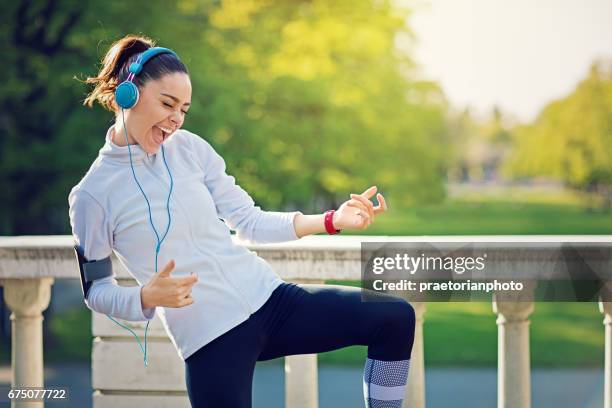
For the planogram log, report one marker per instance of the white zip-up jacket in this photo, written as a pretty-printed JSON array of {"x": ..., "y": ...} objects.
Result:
[{"x": 109, "y": 214}]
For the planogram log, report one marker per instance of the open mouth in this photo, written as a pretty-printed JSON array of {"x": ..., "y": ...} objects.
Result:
[{"x": 161, "y": 134}]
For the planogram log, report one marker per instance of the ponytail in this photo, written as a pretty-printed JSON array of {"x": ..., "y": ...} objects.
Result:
[{"x": 113, "y": 70}]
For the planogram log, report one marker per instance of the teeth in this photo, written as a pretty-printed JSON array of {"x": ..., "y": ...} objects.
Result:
[{"x": 165, "y": 130}]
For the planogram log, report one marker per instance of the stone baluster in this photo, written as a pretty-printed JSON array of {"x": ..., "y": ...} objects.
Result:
[
  {"x": 513, "y": 359},
  {"x": 27, "y": 298},
  {"x": 606, "y": 309}
]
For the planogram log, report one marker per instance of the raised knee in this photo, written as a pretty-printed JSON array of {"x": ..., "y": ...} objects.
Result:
[{"x": 402, "y": 316}]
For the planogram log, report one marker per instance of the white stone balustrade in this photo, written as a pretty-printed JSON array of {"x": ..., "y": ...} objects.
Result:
[{"x": 30, "y": 264}]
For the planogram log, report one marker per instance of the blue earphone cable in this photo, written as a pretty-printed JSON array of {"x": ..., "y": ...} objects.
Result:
[{"x": 159, "y": 241}]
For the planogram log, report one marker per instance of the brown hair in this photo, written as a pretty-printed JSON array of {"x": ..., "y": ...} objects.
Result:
[{"x": 115, "y": 65}]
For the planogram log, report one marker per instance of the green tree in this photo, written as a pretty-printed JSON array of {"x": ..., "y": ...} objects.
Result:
[
  {"x": 331, "y": 105},
  {"x": 572, "y": 138},
  {"x": 48, "y": 139},
  {"x": 307, "y": 101}
]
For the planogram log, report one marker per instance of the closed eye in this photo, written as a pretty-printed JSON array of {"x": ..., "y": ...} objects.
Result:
[{"x": 170, "y": 106}]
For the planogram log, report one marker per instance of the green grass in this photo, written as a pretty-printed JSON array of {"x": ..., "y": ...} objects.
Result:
[
  {"x": 467, "y": 215},
  {"x": 70, "y": 338},
  {"x": 562, "y": 334}
]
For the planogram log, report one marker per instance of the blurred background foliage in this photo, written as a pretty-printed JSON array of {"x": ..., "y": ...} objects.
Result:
[
  {"x": 307, "y": 101},
  {"x": 572, "y": 138}
]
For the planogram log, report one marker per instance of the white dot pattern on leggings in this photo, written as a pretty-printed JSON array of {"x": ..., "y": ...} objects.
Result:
[
  {"x": 386, "y": 373},
  {"x": 376, "y": 403}
]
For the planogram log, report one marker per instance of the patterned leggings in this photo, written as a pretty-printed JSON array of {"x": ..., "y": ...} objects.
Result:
[{"x": 303, "y": 319}]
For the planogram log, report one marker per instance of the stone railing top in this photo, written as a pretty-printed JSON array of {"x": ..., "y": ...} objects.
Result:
[{"x": 312, "y": 257}]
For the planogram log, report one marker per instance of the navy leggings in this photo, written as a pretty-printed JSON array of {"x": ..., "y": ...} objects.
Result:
[{"x": 296, "y": 319}]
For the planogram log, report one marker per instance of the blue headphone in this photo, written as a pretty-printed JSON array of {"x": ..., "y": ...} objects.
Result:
[
  {"x": 126, "y": 94},
  {"x": 126, "y": 97}
]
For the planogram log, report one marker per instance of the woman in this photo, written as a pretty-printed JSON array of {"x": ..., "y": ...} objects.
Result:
[{"x": 223, "y": 307}]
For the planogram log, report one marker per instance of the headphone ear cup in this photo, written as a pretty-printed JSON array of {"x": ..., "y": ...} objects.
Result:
[{"x": 126, "y": 95}]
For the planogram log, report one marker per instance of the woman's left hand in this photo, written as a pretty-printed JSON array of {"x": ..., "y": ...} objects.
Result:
[{"x": 358, "y": 212}]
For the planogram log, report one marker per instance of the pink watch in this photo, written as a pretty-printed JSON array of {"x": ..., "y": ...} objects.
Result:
[{"x": 329, "y": 225}]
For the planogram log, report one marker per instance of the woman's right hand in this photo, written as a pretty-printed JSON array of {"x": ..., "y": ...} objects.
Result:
[{"x": 164, "y": 290}]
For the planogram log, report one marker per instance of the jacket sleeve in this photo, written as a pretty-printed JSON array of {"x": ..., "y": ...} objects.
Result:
[
  {"x": 236, "y": 207},
  {"x": 93, "y": 234}
]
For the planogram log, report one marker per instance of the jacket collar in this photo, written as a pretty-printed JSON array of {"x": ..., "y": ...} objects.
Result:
[{"x": 120, "y": 154}]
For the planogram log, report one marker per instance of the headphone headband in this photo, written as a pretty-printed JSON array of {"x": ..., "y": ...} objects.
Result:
[{"x": 136, "y": 67}]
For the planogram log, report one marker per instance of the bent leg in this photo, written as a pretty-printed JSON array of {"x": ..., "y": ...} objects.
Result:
[
  {"x": 319, "y": 318},
  {"x": 322, "y": 318}
]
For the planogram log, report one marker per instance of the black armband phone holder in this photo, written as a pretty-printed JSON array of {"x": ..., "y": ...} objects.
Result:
[{"x": 92, "y": 270}]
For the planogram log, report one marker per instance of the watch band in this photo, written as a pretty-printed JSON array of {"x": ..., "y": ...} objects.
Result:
[{"x": 329, "y": 225}]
